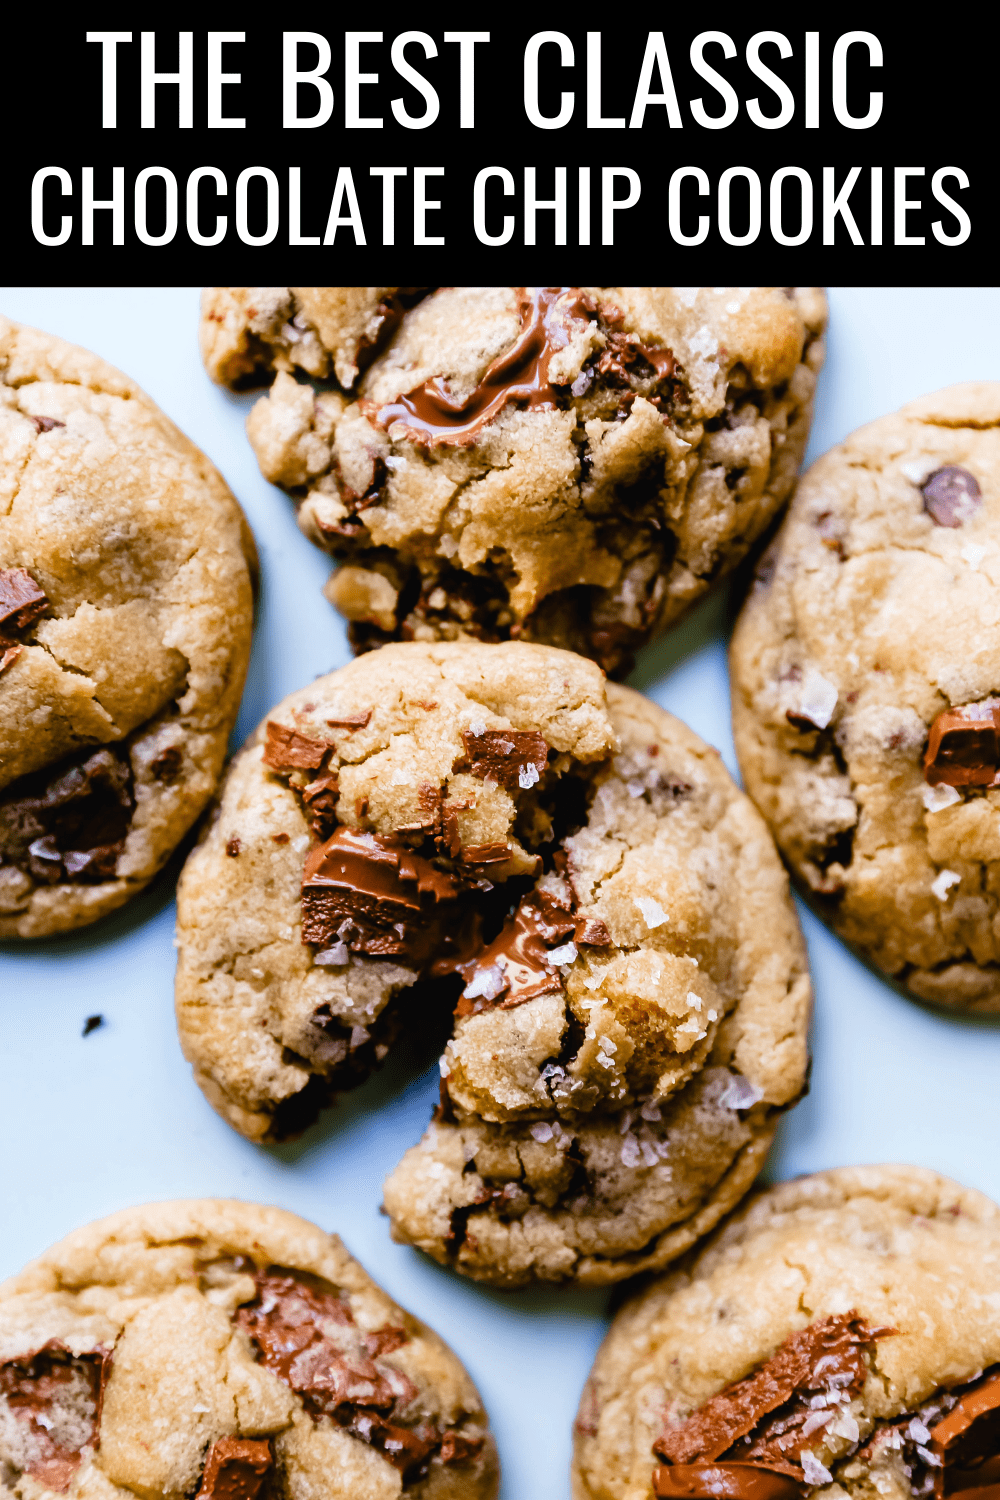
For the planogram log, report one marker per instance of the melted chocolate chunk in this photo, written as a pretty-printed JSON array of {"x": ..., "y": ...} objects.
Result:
[
  {"x": 335, "y": 1376},
  {"x": 22, "y": 602},
  {"x": 432, "y": 416},
  {"x": 287, "y": 750},
  {"x": 378, "y": 897},
  {"x": 236, "y": 1469},
  {"x": 963, "y": 748},
  {"x": 951, "y": 496},
  {"x": 516, "y": 966},
  {"x": 627, "y": 358},
  {"x": 34, "y": 1387},
  {"x": 759, "y": 1420},
  {"x": 69, "y": 822},
  {"x": 722, "y": 1482},
  {"x": 511, "y": 757}
]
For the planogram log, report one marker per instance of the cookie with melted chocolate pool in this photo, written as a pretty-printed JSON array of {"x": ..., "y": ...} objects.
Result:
[
  {"x": 492, "y": 832},
  {"x": 866, "y": 692},
  {"x": 571, "y": 465},
  {"x": 125, "y": 617},
  {"x": 839, "y": 1335},
  {"x": 231, "y": 1352}
]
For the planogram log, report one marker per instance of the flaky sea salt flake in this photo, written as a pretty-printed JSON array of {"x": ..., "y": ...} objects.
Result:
[
  {"x": 813, "y": 1471},
  {"x": 944, "y": 882},
  {"x": 937, "y": 798},
  {"x": 652, "y": 912}
]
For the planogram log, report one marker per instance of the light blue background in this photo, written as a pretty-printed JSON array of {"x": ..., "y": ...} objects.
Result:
[{"x": 91, "y": 1125}]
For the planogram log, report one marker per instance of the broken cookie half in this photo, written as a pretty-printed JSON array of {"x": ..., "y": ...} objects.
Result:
[
  {"x": 570, "y": 465},
  {"x": 492, "y": 832},
  {"x": 230, "y": 1352}
]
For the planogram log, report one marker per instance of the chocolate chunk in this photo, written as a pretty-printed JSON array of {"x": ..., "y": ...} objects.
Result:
[
  {"x": 320, "y": 799},
  {"x": 69, "y": 821},
  {"x": 385, "y": 320},
  {"x": 167, "y": 765},
  {"x": 287, "y": 750},
  {"x": 279, "y": 838},
  {"x": 35, "y": 1387},
  {"x": 385, "y": 1340},
  {"x": 485, "y": 854},
  {"x": 951, "y": 496},
  {"x": 963, "y": 748},
  {"x": 236, "y": 1469},
  {"x": 969, "y": 1433},
  {"x": 962, "y": 1455},
  {"x": 456, "y": 1449},
  {"x": 9, "y": 656},
  {"x": 760, "y": 1419},
  {"x": 521, "y": 375},
  {"x": 375, "y": 895},
  {"x": 46, "y": 424},
  {"x": 590, "y": 932},
  {"x": 288, "y": 1322},
  {"x": 515, "y": 967},
  {"x": 91, "y": 1024},
  {"x": 233, "y": 848},
  {"x": 352, "y": 721},
  {"x": 405, "y": 1449},
  {"x": 511, "y": 757},
  {"x": 627, "y": 358},
  {"x": 722, "y": 1482},
  {"x": 22, "y": 602}
]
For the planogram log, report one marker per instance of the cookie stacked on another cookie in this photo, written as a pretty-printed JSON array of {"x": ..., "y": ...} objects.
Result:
[
  {"x": 561, "y": 464},
  {"x": 229, "y": 1351},
  {"x": 574, "y": 872},
  {"x": 125, "y": 618},
  {"x": 839, "y": 1335},
  {"x": 866, "y": 692}
]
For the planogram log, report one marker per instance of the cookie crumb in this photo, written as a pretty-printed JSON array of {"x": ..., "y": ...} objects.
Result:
[
  {"x": 91, "y": 1024},
  {"x": 233, "y": 848}
]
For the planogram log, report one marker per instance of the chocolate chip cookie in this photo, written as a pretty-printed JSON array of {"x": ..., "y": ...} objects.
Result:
[
  {"x": 232, "y": 1352},
  {"x": 839, "y": 1335},
  {"x": 559, "y": 464},
  {"x": 125, "y": 616},
  {"x": 489, "y": 830},
  {"x": 866, "y": 692}
]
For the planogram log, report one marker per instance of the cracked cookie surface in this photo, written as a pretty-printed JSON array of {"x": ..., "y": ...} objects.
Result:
[
  {"x": 865, "y": 670},
  {"x": 491, "y": 830},
  {"x": 125, "y": 616},
  {"x": 568, "y": 465},
  {"x": 232, "y": 1351},
  {"x": 839, "y": 1336}
]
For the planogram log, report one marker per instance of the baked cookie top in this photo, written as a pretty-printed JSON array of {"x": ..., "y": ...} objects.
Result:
[
  {"x": 125, "y": 615},
  {"x": 564, "y": 464},
  {"x": 840, "y": 1334},
  {"x": 232, "y": 1351},
  {"x": 491, "y": 831},
  {"x": 865, "y": 683}
]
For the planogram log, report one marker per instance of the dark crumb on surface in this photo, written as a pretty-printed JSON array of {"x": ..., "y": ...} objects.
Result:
[
  {"x": 233, "y": 848},
  {"x": 91, "y": 1024}
]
